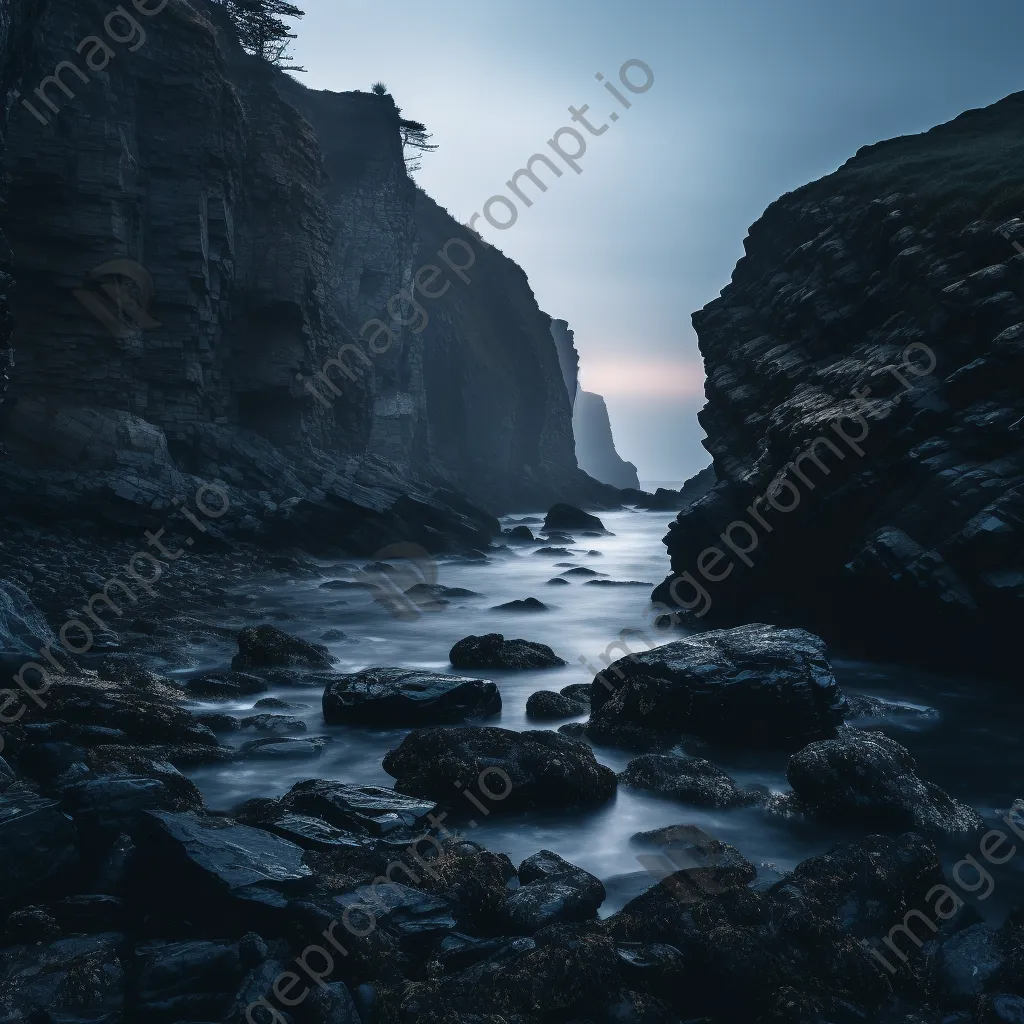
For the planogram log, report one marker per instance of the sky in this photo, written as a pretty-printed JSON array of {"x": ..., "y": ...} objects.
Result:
[{"x": 750, "y": 99}]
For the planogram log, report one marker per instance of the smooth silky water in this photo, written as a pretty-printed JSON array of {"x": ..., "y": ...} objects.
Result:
[{"x": 963, "y": 731}]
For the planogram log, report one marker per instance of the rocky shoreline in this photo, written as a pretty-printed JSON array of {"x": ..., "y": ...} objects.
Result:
[{"x": 127, "y": 899}]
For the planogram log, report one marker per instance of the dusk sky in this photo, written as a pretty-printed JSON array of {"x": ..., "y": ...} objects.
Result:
[{"x": 750, "y": 100}]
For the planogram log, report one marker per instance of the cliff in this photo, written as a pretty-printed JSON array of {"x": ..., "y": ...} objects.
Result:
[
  {"x": 595, "y": 445},
  {"x": 864, "y": 405},
  {"x": 210, "y": 263}
]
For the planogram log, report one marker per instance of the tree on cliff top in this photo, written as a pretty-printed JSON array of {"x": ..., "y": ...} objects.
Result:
[
  {"x": 262, "y": 29},
  {"x": 415, "y": 137}
]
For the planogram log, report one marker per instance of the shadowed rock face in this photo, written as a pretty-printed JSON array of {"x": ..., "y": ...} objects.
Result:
[
  {"x": 595, "y": 445},
  {"x": 247, "y": 228},
  {"x": 903, "y": 246}
]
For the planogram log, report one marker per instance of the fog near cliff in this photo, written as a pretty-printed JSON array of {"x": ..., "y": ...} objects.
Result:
[{"x": 750, "y": 101}]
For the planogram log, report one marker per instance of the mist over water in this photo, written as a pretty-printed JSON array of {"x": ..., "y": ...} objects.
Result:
[{"x": 939, "y": 714}]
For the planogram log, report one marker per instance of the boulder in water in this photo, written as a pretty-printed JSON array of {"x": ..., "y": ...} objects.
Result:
[
  {"x": 545, "y": 705},
  {"x": 494, "y": 651},
  {"x": 268, "y": 647},
  {"x": 692, "y": 779},
  {"x": 568, "y": 517}
]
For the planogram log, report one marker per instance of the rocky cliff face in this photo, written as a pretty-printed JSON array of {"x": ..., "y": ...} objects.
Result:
[
  {"x": 864, "y": 404},
  {"x": 210, "y": 260},
  {"x": 595, "y": 445}
]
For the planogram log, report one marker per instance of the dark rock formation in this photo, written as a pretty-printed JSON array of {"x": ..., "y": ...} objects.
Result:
[
  {"x": 494, "y": 651},
  {"x": 371, "y": 810},
  {"x": 526, "y": 604},
  {"x": 867, "y": 775},
  {"x": 188, "y": 287},
  {"x": 692, "y": 779},
  {"x": 664, "y": 500},
  {"x": 523, "y": 769},
  {"x": 552, "y": 891},
  {"x": 547, "y": 706},
  {"x": 595, "y": 445},
  {"x": 753, "y": 684},
  {"x": 397, "y": 696},
  {"x": 898, "y": 513},
  {"x": 269, "y": 647},
  {"x": 568, "y": 517}
]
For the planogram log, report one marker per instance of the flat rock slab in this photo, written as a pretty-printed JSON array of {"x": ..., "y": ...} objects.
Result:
[
  {"x": 396, "y": 696},
  {"x": 370, "y": 810},
  {"x": 753, "y": 684},
  {"x": 493, "y": 651},
  {"x": 542, "y": 769}
]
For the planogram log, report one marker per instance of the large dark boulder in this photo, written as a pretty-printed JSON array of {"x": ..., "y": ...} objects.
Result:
[
  {"x": 691, "y": 779},
  {"x": 108, "y": 806},
  {"x": 269, "y": 647},
  {"x": 522, "y": 769},
  {"x": 397, "y": 696},
  {"x": 866, "y": 886},
  {"x": 195, "y": 865},
  {"x": 37, "y": 848},
  {"x": 867, "y": 776},
  {"x": 553, "y": 891},
  {"x": 569, "y": 518},
  {"x": 494, "y": 651},
  {"x": 754, "y": 685}
]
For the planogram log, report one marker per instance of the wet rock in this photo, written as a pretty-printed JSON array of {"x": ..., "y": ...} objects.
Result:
[
  {"x": 547, "y": 706},
  {"x": 313, "y": 833},
  {"x": 220, "y": 723},
  {"x": 175, "y": 981},
  {"x": 866, "y": 886},
  {"x": 752, "y": 684},
  {"x": 268, "y": 647},
  {"x": 371, "y": 810},
  {"x": 332, "y": 1004},
  {"x": 210, "y": 866},
  {"x": 967, "y": 961},
  {"x": 279, "y": 724},
  {"x": 138, "y": 762},
  {"x": 868, "y": 776},
  {"x": 996, "y": 1009},
  {"x": 529, "y": 604},
  {"x": 568, "y": 517},
  {"x": 276, "y": 704},
  {"x": 553, "y": 891},
  {"x": 37, "y": 848},
  {"x": 521, "y": 769},
  {"x": 420, "y": 920},
  {"x": 106, "y": 807},
  {"x": 273, "y": 748},
  {"x": 225, "y": 684},
  {"x": 494, "y": 651},
  {"x": 691, "y": 779},
  {"x": 553, "y": 552},
  {"x": 395, "y": 696},
  {"x": 141, "y": 716},
  {"x": 578, "y": 692},
  {"x": 73, "y": 979},
  {"x": 422, "y": 591},
  {"x": 473, "y": 879},
  {"x": 23, "y": 629},
  {"x": 688, "y": 865},
  {"x": 558, "y": 538}
]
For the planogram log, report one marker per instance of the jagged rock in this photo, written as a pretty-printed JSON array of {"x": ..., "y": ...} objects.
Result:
[
  {"x": 371, "y": 810},
  {"x": 867, "y": 775},
  {"x": 494, "y": 651},
  {"x": 417, "y": 918},
  {"x": 23, "y": 630},
  {"x": 545, "y": 705},
  {"x": 313, "y": 833},
  {"x": 396, "y": 696},
  {"x": 553, "y": 891},
  {"x": 528, "y": 604},
  {"x": 595, "y": 446},
  {"x": 915, "y": 528},
  {"x": 753, "y": 684},
  {"x": 37, "y": 848},
  {"x": 106, "y": 807},
  {"x": 545, "y": 769},
  {"x": 569, "y": 518},
  {"x": 692, "y": 779},
  {"x": 268, "y": 647}
]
